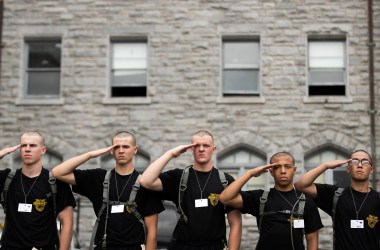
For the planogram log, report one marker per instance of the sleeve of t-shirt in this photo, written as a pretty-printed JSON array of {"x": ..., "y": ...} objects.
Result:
[
  {"x": 64, "y": 197},
  {"x": 251, "y": 202},
  {"x": 325, "y": 196},
  {"x": 170, "y": 184},
  {"x": 3, "y": 175},
  {"x": 89, "y": 183},
  {"x": 312, "y": 218},
  {"x": 152, "y": 203}
]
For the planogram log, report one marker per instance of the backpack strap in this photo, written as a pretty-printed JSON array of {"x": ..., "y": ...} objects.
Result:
[
  {"x": 301, "y": 205},
  {"x": 263, "y": 200},
  {"x": 131, "y": 204},
  {"x": 182, "y": 188},
  {"x": 337, "y": 194},
  {"x": 101, "y": 210},
  {"x": 223, "y": 179},
  {"x": 53, "y": 186},
  {"x": 4, "y": 194}
]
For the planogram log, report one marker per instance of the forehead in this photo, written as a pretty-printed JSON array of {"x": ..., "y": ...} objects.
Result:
[
  {"x": 360, "y": 155},
  {"x": 123, "y": 140},
  {"x": 283, "y": 159},
  {"x": 205, "y": 139},
  {"x": 31, "y": 139}
]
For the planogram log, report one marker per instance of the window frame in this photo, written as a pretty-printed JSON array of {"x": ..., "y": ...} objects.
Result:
[
  {"x": 111, "y": 85},
  {"x": 26, "y": 69},
  {"x": 255, "y": 68},
  {"x": 336, "y": 89}
]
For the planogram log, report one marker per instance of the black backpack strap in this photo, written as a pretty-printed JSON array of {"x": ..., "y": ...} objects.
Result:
[
  {"x": 337, "y": 194},
  {"x": 182, "y": 188},
  {"x": 53, "y": 186},
  {"x": 101, "y": 210},
  {"x": 263, "y": 200},
  {"x": 4, "y": 196},
  {"x": 131, "y": 204}
]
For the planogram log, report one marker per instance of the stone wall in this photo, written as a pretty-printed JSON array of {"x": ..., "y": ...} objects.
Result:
[{"x": 184, "y": 84}]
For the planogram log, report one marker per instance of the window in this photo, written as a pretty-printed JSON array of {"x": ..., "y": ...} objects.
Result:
[
  {"x": 337, "y": 176},
  {"x": 49, "y": 160},
  {"x": 237, "y": 161},
  {"x": 327, "y": 68},
  {"x": 241, "y": 67},
  {"x": 43, "y": 69},
  {"x": 141, "y": 161},
  {"x": 129, "y": 69}
]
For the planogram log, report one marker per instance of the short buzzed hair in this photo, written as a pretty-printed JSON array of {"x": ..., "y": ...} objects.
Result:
[
  {"x": 124, "y": 133},
  {"x": 363, "y": 151},
  {"x": 33, "y": 133},
  {"x": 281, "y": 154},
  {"x": 203, "y": 132}
]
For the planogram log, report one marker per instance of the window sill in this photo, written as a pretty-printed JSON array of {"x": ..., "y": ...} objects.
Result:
[
  {"x": 127, "y": 100},
  {"x": 327, "y": 99},
  {"x": 41, "y": 101},
  {"x": 240, "y": 99}
]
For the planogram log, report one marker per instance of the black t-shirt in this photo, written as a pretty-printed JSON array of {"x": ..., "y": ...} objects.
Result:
[
  {"x": 206, "y": 224},
  {"x": 368, "y": 208},
  {"x": 275, "y": 230},
  {"x": 124, "y": 228},
  {"x": 38, "y": 227}
]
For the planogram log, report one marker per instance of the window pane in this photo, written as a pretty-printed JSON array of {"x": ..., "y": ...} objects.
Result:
[
  {"x": 129, "y": 78},
  {"x": 43, "y": 83},
  {"x": 320, "y": 77},
  {"x": 44, "y": 55},
  {"x": 129, "y": 55},
  {"x": 240, "y": 82},
  {"x": 241, "y": 55},
  {"x": 326, "y": 54}
]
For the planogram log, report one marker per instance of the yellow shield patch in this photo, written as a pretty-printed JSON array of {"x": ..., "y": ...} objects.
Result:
[
  {"x": 372, "y": 220},
  {"x": 40, "y": 204},
  {"x": 130, "y": 207},
  {"x": 214, "y": 199}
]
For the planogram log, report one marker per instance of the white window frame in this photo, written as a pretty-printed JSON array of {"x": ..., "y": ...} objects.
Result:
[
  {"x": 124, "y": 64},
  {"x": 328, "y": 56},
  {"x": 27, "y": 70},
  {"x": 244, "y": 66}
]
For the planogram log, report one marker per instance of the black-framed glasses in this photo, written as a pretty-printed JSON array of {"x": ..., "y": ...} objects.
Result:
[{"x": 364, "y": 162}]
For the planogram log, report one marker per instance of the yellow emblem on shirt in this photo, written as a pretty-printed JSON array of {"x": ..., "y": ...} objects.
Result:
[
  {"x": 372, "y": 220},
  {"x": 130, "y": 207},
  {"x": 40, "y": 204},
  {"x": 214, "y": 199}
]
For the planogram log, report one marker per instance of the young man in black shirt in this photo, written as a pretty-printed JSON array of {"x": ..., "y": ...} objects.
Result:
[
  {"x": 119, "y": 229},
  {"x": 31, "y": 208},
  {"x": 281, "y": 225},
  {"x": 205, "y": 228},
  {"x": 357, "y": 209}
]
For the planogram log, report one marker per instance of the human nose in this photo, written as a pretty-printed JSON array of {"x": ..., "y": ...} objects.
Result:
[{"x": 283, "y": 169}]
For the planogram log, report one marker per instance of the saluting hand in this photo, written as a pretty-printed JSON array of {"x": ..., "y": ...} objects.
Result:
[{"x": 9, "y": 150}]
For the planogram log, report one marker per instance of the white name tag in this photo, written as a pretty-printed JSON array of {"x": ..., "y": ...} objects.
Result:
[
  {"x": 201, "y": 203},
  {"x": 357, "y": 224},
  {"x": 24, "y": 208},
  {"x": 117, "y": 209},
  {"x": 298, "y": 223}
]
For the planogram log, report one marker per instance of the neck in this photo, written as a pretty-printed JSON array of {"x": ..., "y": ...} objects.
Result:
[
  {"x": 124, "y": 170},
  {"x": 360, "y": 186},
  {"x": 284, "y": 188},
  {"x": 31, "y": 171},
  {"x": 203, "y": 168}
]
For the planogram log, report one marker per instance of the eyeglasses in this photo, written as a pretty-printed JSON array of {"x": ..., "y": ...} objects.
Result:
[{"x": 364, "y": 162}]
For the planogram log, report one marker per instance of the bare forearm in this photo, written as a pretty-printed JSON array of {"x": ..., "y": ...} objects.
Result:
[
  {"x": 235, "y": 222},
  {"x": 234, "y": 188},
  {"x": 70, "y": 165},
  {"x": 151, "y": 174},
  {"x": 307, "y": 179}
]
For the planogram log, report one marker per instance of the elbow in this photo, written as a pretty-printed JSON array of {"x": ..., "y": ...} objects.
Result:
[
  {"x": 143, "y": 182},
  {"x": 223, "y": 198}
]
